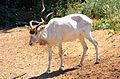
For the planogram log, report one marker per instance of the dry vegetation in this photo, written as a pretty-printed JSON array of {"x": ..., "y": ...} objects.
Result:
[{"x": 18, "y": 60}]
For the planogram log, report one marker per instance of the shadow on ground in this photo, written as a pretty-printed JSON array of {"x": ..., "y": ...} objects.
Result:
[{"x": 52, "y": 74}]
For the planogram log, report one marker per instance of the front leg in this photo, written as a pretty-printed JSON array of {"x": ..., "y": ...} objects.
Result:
[
  {"x": 60, "y": 54},
  {"x": 50, "y": 58},
  {"x": 60, "y": 48}
]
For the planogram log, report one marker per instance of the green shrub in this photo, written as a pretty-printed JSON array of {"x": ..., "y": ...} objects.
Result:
[
  {"x": 101, "y": 8},
  {"x": 115, "y": 25},
  {"x": 92, "y": 8},
  {"x": 59, "y": 10},
  {"x": 108, "y": 11},
  {"x": 103, "y": 24},
  {"x": 74, "y": 8}
]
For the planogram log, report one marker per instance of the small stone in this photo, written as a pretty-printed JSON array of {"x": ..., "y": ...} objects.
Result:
[
  {"x": 77, "y": 73},
  {"x": 117, "y": 76}
]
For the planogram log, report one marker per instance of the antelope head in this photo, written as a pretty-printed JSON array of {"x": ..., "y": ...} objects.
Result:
[{"x": 35, "y": 30}]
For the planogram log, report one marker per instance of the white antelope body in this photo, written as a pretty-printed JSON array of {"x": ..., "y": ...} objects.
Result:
[{"x": 68, "y": 28}]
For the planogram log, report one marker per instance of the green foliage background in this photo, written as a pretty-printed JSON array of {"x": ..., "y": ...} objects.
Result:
[{"x": 107, "y": 11}]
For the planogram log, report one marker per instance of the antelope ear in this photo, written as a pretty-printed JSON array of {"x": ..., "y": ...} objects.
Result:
[{"x": 28, "y": 27}]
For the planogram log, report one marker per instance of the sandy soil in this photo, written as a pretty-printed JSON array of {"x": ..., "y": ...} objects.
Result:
[{"x": 18, "y": 60}]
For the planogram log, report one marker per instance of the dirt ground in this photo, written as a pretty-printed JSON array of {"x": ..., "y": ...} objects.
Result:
[{"x": 18, "y": 60}]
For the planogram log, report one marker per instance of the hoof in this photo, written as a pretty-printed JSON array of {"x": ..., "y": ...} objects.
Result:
[
  {"x": 61, "y": 71},
  {"x": 79, "y": 65},
  {"x": 61, "y": 68},
  {"x": 48, "y": 71},
  {"x": 96, "y": 62}
]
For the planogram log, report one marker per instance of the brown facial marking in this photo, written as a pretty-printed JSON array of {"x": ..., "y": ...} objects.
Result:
[{"x": 32, "y": 31}]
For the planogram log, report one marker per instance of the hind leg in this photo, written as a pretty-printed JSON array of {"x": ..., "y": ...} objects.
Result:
[
  {"x": 85, "y": 48},
  {"x": 94, "y": 42}
]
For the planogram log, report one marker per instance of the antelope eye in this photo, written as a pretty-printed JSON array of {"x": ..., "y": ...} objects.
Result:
[{"x": 32, "y": 32}]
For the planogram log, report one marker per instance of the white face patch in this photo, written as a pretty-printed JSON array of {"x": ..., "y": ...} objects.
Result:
[{"x": 44, "y": 35}]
